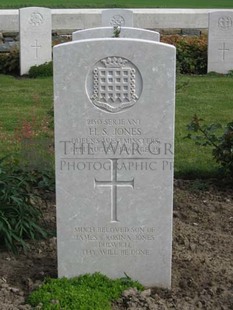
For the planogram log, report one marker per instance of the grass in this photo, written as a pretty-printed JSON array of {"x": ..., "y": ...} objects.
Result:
[
  {"x": 210, "y": 97},
  {"x": 118, "y": 3},
  {"x": 24, "y": 107},
  {"x": 22, "y": 99},
  {"x": 94, "y": 291}
]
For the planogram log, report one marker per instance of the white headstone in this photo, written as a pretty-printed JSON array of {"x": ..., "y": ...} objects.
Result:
[
  {"x": 35, "y": 37},
  {"x": 220, "y": 42},
  {"x": 117, "y": 17},
  {"x": 107, "y": 32},
  {"x": 114, "y": 129}
]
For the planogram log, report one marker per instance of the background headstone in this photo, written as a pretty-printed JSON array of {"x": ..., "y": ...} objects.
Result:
[
  {"x": 220, "y": 42},
  {"x": 35, "y": 37},
  {"x": 114, "y": 132},
  {"x": 107, "y": 32},
  {"x": 117, "y": 17}
]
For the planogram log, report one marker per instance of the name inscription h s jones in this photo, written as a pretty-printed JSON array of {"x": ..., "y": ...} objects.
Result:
[
  {"x": 122, "y": 139},
  {"x": 113, "y": 138}
]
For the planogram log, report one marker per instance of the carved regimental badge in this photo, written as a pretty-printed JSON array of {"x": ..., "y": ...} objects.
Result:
[
  {"x": 116, "y": 84},
  {"x": 117, "y": 20},
  {"x": 225, "y": 22},
  {"x": 36, "y": 19}
]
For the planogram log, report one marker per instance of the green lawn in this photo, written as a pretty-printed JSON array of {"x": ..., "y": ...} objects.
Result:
[
  {"x": 23, "y": 99},
  {"x": 118, "y": 3},
  {"x": 210, "y": 97},
  {"x": 23, "y": 110}
]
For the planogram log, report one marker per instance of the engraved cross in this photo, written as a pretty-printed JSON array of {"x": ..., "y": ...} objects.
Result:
[
  {"x": 223, "y": 49},
  {"x": 36, "y": 46},
  {"x": 113, "y": 184}
]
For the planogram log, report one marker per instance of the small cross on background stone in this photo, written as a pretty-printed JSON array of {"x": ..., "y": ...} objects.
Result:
[{"x": 36, "y": 46}]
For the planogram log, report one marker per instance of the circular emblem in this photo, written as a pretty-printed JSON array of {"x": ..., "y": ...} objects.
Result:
[
  {"x": 117, "y": 20},
  {"x": 36, "y": 19},
  {"x": 114, "y": 84},
  {"x": 225, "y": 22}
]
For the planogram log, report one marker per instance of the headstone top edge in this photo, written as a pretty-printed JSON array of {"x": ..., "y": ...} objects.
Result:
[
  {"x": 79, "y": 42},
  {"x": 217, "y": 12},
  {"x": 109, "y": 27},
  {"x": 117, "y": 9},
  {"x": 30, "y": 8}
]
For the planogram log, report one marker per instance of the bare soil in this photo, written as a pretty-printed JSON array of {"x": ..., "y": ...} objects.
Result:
[{"x": 202, "y": 271}]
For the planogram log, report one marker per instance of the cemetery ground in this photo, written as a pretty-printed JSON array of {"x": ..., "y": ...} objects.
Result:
[
  {"x": 203, "y": 202},
  {"x": 202, "y": 256},
  {"x": 118, "y": 4}
]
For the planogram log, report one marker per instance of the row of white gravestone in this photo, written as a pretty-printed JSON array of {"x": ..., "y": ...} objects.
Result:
[
  {"x": 220, "y": 42},
  {"x": 36, "y": 28},
  {"x": 35, "y": 36}
]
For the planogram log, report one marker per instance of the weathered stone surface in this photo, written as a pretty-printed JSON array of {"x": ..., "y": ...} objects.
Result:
[
  {"x": 108, "y": 32},
  {"x": 117, "y": 17},
  {"x": 9, "y": 20},
  {"x": 35, "y": 37},
  {"x": 220, "y": 41},
  {"x": 114, "y": 128}
]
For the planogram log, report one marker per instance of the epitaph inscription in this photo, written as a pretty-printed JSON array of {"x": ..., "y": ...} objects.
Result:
[{"x": 116, "y": 241}]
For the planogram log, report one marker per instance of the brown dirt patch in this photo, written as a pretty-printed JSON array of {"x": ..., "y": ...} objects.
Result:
[{"x": 202, "y": 272}]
